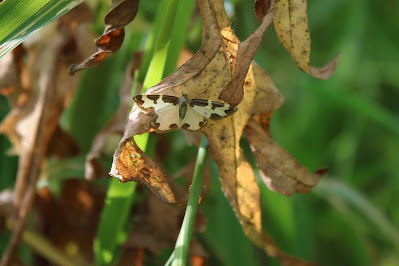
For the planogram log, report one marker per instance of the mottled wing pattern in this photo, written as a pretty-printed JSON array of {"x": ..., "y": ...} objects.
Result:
[
  {"x": 212, "y": 110},
  {"x": 156, "y": 103},
  {"x": 166, "y": 110}
]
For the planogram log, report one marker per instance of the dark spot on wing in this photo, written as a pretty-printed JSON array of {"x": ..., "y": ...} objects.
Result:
[
  {"x": 173, "y": 126},
  {"x": 199, "y": 102},
  {"x": 216, "y": 105},
  {"x": 153, "y": 97},
  {"x": 231, "y": 110},
  {"x": 216, "y": 117},
  {"x": 228, "y": 112},
  {"x": 170, "y": 99},
  {"x": 138, "y": 99},
  {"x": 201, "y": 124}
]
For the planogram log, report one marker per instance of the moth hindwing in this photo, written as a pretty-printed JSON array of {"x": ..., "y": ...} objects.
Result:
[{"x": 172, "y": 112}]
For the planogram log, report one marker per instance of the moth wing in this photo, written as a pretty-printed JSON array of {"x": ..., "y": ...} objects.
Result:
[
  {"x": 193, "y": 120},
  {"x": 211, "y": 109},
  {"x": 166, "y": 118},
  {"x": 165, "y": 107}
]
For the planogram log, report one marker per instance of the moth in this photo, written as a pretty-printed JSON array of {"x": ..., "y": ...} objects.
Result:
[{"x": 173, "y": 112}]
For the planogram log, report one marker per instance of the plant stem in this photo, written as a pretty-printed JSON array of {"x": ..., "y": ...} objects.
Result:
[{"x": 183, "y": 241}]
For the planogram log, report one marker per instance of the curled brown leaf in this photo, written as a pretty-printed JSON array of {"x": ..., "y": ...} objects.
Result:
[
  {"x": 280, "y": 171},
  {"x": 121, "y": 13},
  {"x": 134, "y": 164},
  {"x": 234, "y": 91}
]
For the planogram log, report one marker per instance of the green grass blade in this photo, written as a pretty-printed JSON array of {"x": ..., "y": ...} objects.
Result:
[
  {"x": 157, "y": 65},
  {"x": 20, "y": 19},
  {"x": 334, "y": 188},
  {"x": 152, "y": 39},
  {"x": 112, "y": 229},
  {"x": 179, "y": 34},
  {"x": 183, "y": 241}
]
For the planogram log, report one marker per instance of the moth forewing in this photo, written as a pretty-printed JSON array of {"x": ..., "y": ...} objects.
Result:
[{"x": 156, "y": 102}]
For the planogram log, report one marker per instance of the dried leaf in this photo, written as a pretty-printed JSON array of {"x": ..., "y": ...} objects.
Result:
[
  {"x": 134, "y": 164},
  {"x": 121, "y": 13},
  {"x": 234, "y": 92},
  {"x": 281, "y": 172},
  {"x": 291, "y": 25},
  {"x": 237, "y": 177},
  {"x": 72, "y": 217},
  {"x": 33, "y": 120}
]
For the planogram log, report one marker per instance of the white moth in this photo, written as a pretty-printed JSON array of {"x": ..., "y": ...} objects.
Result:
[{"x": 172, "y": 112}]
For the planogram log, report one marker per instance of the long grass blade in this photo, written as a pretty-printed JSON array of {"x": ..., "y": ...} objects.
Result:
[
  {"x": 20, "y": 19},
  {"x": 183, "y": 241}
]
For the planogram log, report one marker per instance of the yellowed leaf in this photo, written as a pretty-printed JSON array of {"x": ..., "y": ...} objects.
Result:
[
  {"x": 234, "y": 91},
  {"x": 291, "y": 25}
]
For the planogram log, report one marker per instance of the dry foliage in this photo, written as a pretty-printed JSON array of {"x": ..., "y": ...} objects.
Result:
[
  {"x": 121, "y": 13},
  {"x": 39, "y": 90},
  {"x": 222, "y": 70}
]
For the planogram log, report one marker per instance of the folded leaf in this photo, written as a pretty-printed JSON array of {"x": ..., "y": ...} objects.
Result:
[{"x": 291, "y": 25}]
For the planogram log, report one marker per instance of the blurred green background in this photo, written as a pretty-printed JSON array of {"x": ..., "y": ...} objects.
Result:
[{"x": 349, "y": 123}]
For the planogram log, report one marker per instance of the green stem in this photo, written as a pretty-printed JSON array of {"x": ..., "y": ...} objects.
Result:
[{"x": 183, "y": 241}]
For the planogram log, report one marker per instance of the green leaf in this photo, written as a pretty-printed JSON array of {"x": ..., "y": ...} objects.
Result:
[{"x": 20, "y": 19}]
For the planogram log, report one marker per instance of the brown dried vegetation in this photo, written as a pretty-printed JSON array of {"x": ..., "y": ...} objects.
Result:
[{"x": 222, "y": 70}]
